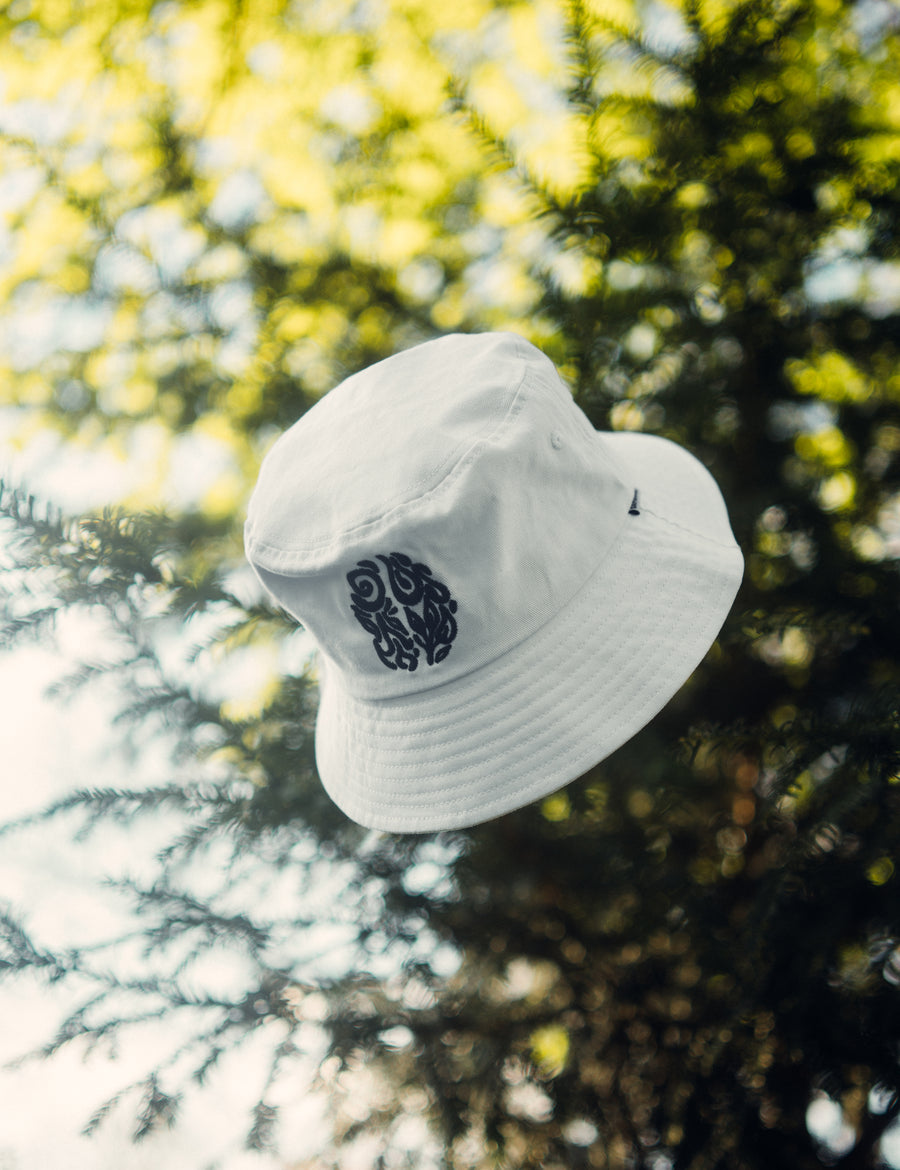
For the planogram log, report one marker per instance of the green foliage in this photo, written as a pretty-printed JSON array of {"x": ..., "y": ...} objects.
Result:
[{"x": 664, "y": 964}]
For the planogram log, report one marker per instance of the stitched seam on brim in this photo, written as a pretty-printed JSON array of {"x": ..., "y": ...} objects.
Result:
[
  {"x": 582, "y": 749},
  {"x": 647, "y": 692}
]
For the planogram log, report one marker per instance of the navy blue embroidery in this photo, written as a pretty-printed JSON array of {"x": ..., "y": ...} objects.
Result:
[{"x": 430, "y": 627}]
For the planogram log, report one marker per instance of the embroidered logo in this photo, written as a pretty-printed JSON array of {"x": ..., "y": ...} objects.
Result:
[{"x": 427, "y": 606}]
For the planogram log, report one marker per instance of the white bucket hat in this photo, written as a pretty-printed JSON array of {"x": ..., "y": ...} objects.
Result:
[{"x": 501, "y": 595}]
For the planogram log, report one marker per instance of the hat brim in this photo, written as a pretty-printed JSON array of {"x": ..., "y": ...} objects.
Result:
[{"x": 562, "y": 700}]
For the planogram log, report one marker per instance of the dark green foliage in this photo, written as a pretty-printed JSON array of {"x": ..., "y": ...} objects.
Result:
[{"x": 703, "y": 933}]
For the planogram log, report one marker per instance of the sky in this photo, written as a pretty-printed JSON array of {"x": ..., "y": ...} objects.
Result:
[{"x": 50, "y": 747}]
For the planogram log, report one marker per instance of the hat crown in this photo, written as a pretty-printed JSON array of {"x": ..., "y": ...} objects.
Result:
[
  {"x": 433, "y": 510},
  {"x": 384, "y": 438}
]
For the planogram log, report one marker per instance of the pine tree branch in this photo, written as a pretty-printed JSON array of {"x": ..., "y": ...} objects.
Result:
[
  {"x": 120, "y": 804},
  {"x": 506, "y": 155}
]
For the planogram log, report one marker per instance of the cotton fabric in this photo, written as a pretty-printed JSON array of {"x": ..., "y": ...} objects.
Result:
[{"x": 501, "y": 595}]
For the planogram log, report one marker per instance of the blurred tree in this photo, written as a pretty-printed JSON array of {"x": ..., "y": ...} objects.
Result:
[{"x": 223, "y": 210}]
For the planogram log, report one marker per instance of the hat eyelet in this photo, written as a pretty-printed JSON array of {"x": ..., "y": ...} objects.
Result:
[{"x": 556, "y": 440}]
